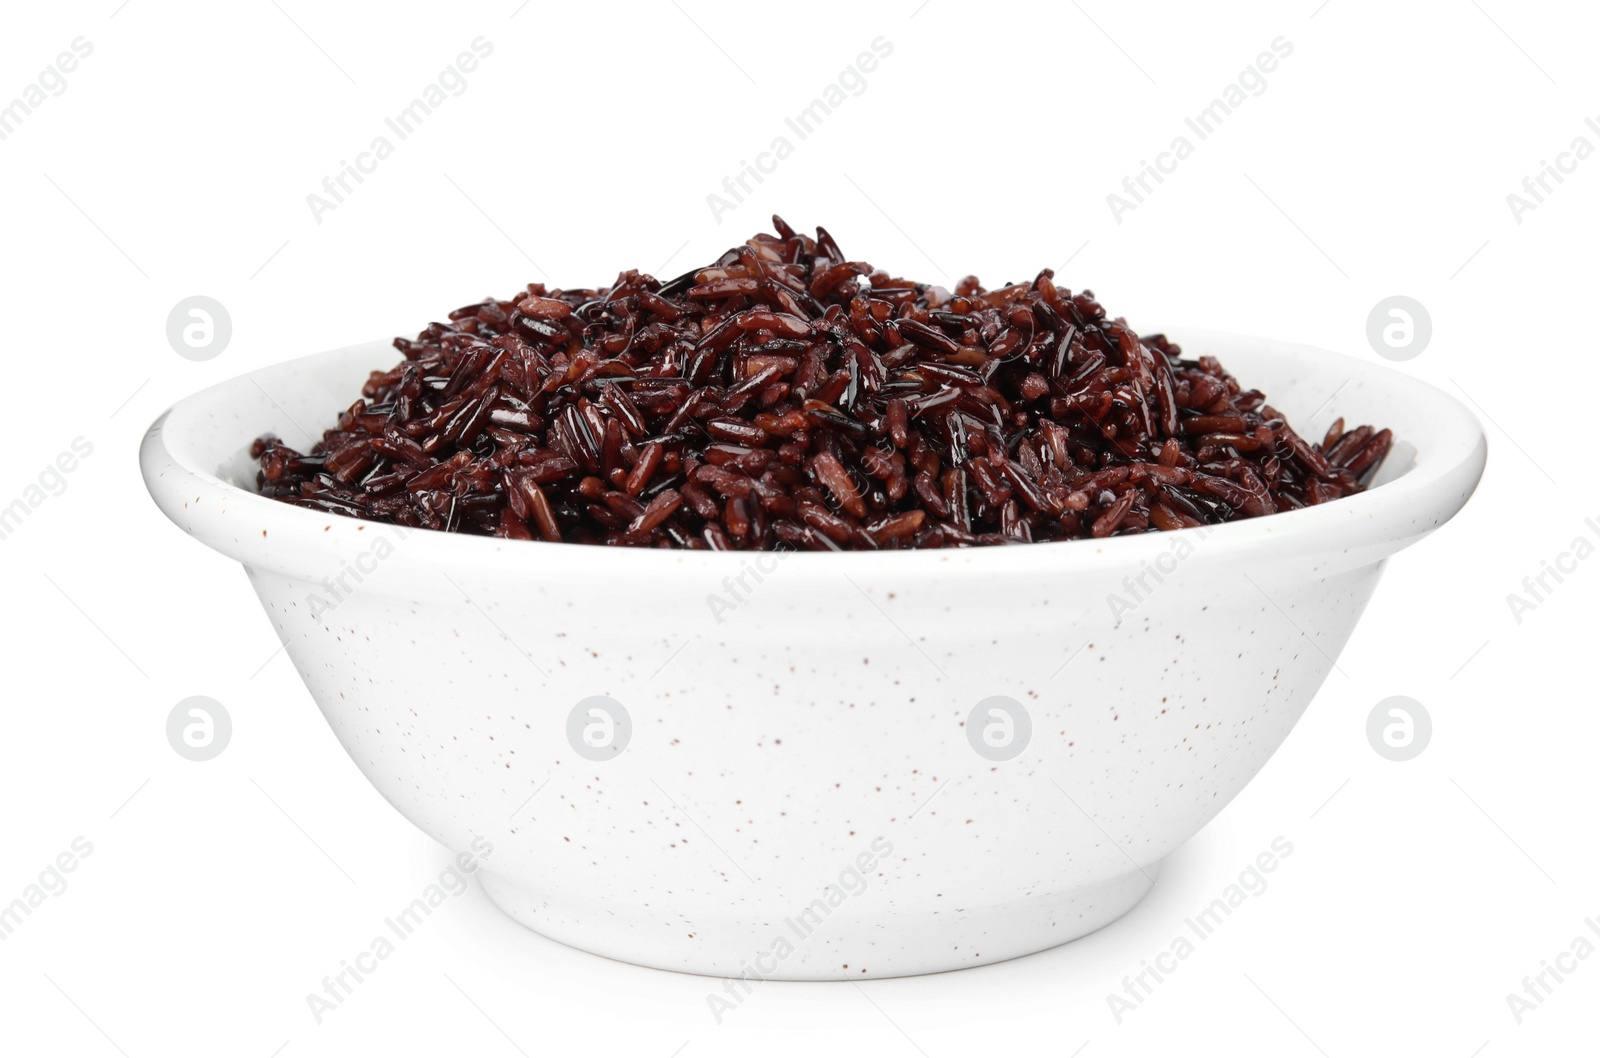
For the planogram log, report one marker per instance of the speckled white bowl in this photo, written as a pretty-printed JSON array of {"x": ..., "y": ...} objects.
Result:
[{"x": 798, "y": 796}]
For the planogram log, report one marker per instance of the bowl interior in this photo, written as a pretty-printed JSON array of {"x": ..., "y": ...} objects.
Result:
[{"x": 202, "y": 444}]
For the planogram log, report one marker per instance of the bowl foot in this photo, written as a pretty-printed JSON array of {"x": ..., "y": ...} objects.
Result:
[{"x": 814, "y": 944}]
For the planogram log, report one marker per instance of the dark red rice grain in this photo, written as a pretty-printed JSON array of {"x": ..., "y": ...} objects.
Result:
[{"x": 786, "y": 397}]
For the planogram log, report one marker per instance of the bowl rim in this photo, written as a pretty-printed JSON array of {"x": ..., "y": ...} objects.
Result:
[{"x": 1450, "y": 453}]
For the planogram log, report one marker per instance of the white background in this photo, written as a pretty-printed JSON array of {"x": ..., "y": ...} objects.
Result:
[{"x": 1377, "y": 161}]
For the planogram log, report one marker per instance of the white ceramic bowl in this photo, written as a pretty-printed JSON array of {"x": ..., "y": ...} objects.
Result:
[{"x": 798, "y": 796}]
